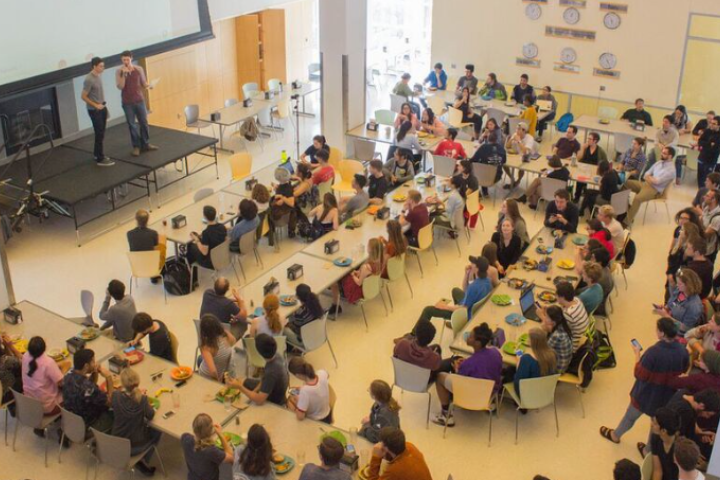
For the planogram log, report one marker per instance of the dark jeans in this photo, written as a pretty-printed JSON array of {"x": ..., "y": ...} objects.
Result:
[
  {"x": 136, "y": 116},
  {"x": 99, "y": 122},
  {"x": 431, "y": 311},
  {"x": 704, "y": 169},
  {"x": 592, "y": 198},
  {"x": 542, "y": 124},
  {"x": 152, "y": 440},
  {"x": 477, "y": 122},
  {"x": 579, "y": 189}
]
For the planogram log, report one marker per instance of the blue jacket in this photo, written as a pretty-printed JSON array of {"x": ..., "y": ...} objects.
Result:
[
  {"x": 687, "y": 312},
  {"x": 432, "y": 80}
]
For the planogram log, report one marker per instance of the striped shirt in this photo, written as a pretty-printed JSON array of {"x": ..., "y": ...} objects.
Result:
[
  {"x": 578, "y": 320},
  {"x": 562, "y": 344}
]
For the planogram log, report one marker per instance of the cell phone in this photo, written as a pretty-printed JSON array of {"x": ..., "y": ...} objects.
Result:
[
  {"x": 636, "y": 344},
  {"x": 168, "y": 414},
  {"x": 350, "y": 448},
  {"x": 129, "y": 349},
  {"x": 181, "y": 383},
  {"x": 537, "y": 304}
]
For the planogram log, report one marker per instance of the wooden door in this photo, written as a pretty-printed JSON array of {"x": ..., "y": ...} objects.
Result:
[
  {"x": 247, "y": 34},
  {"x": 272, "y": 40}
]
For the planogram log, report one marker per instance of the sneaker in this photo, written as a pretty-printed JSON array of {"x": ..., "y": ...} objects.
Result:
[
  {"x": 135, "y": 152},
  {"x": 105, "y": 162},
  {"x": 331, "y": 311},
  {"x": 441, "y": 419},
  {"x": 508, "y": 186},
  {"x": 150, "y": 148},
  {"x": 522, "y": 198},
  {"x": 145, "y": 470}
]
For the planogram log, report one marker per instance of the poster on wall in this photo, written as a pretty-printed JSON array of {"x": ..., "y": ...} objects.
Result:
[
  {"x": 527, "y": 62},
  {"x": 574, "y": 3},
  {"x": 572, "y": 33},
  {"x": 566, "y": 68}
]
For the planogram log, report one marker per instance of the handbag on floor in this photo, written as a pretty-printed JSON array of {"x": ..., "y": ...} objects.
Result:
[{"x": 176, "y": 277}]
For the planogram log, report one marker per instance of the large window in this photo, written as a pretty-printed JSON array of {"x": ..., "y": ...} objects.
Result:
[{"x": 702, "y": 58}]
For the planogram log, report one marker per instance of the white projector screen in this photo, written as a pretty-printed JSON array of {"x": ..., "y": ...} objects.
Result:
[{"x": 48, "y": 37}]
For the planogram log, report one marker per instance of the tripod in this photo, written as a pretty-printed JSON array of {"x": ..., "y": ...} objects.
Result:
[{"x": 296, "y": 110}]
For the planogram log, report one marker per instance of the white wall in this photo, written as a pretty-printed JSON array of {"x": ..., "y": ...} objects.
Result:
[
  {"x": 300, "y": 49},
  {"x": 649, "y": 44},
  {"x": 222, "y": 9}
]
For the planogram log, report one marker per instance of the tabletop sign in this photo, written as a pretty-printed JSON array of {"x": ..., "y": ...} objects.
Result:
[
  {"x": 294, "y": 272},
  {"x": 571, "y": 33},
  {"x": 272, "y": 286},
  {"x": 383, "y": 213},
  {"x": 574, "y": 3},
  {"x": 564, "y": 67},
  {"x": 614, "y": 7},
  {"x": 601, "y": 72},
  {"x": 215, "y": 117},
  {"x": 178, "y": 221},
  {"x": 332, "y": 246},
  {"x": 247, "y": 102},
  {"x": 74, "y": 344},
  {"x": 527, "y": 62},
  {"x": 12, "y": 315},
  {"x": 250, "y": 184},
  {"x": 118, "y": 363}
]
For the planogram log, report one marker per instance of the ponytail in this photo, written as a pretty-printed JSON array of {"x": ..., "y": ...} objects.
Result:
[
  {"x": 36, "y": 348},
  {"x": 271, "y": 305},
  {"x": 382, "y": 393}
]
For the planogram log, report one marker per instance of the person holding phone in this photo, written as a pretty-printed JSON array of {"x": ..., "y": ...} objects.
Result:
[{"x": 198, "y": 250}]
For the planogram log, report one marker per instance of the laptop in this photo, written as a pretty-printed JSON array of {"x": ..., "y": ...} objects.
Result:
[
  {"x": 527, "y": 304},
  {"x": 545, "y": 105}
]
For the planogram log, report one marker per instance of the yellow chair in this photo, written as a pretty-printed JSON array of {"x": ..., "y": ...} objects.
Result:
[
  {"x": 348, "y": 169},
  {"x": 146, "y": 265},
  {"x": 425, "y": 242},
  {"x": 371, "y": 288},
  {"x": 646, "y": 469},
  {"x": 437, "y": 104},
  {"x": 240, "y": 165},
  {"x": 473, "y": 394},
  {"x": 535, "y": 393},
  {"x": 577, "y": 380},
  {"x": 335, "y": 158},
  {"x": 325, "y": 187},
  {"x": 472, "y": 205},
  {"x": 395, "y": 271},
  {"x": 174, "y": 346},
  {"x": 457, "y": 322},
  {"x": 455, "y": 117}
]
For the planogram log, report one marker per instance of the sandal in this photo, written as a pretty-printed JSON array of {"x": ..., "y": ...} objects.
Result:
[
  {"x": 641, "y": 448},
  {"x": 607, "y": 433}
]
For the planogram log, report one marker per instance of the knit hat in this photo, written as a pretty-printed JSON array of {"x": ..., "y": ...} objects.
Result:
[{"x": 711, "y": 358}]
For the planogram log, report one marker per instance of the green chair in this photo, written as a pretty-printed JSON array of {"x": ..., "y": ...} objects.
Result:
[
  {"x": 646, "y": 469},
  {"x": 474, "y": 394},
  {"x": 253, "y": 356},
  {"x": 371, "y": 287},
  {"x": 395, "y": 271},
  {"x": 535, "y": 393},
  {"x": 385, "y": 117},
  {"x": 425, "y": 242},
  {"x": 457, "y": 322}
]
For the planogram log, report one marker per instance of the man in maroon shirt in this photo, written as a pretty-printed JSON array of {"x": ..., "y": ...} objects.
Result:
[
  {"x": 417, "y": 350},
  {"x": 416, "y": 215},
  {"x": 130, "y": 80}
]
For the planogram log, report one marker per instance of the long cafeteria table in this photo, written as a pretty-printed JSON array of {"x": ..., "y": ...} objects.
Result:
[
  {"x": 508, "y": 107},
  {"x": 591, "y": 123}
]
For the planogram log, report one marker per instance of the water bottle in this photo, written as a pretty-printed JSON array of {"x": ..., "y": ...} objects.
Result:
[
  {"x": 573, "y": 160},
  {"x": 283, "y": 156}
]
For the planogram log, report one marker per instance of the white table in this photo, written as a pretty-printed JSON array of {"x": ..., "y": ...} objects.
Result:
[
  {"x": 616, "y": 126},
  {"x": 582, "y": 172}
]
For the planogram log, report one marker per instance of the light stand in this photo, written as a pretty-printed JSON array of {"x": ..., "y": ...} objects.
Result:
[{"x": 296, "y": 110}]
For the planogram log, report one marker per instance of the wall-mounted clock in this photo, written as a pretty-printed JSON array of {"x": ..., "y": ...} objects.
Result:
[
  {"x": 608, "y": 61},
  {"x": 568, "y": 55},
  {"x": 530, "y": 50},
  {"x": 571, "y": 15},
  {"x": 533, "y": 11},
  {"x": 612, "y": 20}
]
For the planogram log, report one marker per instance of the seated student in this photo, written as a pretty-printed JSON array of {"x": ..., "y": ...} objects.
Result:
[
  {"x": 695, "y": 260},
  {"x": 509, "y": 246},
  {"x": 666, "y": 136},
  {"x": 282, "y": 204},
  {"x": 537, "y": 361},
  {"x": 593, "y": 251},
  {"x": 558, "y": 171},
  {"x": 574, "y": 311},
  {"x": 510, "y": 210},
  {"x": 403, "y": 461},
  {"x": 216, "y": 348},
  {"x": 198, "y": 250},
  {"x": 402, "y": 88},
  {"x": 437, "y": 79},
  {"x": 547, "y": 96},
  {"x": 664, "y": 428},
  {"x": 709, "y": 146},
  {"x": 596, "y": 230},
  {"x": 493, "y": 89},
  {"x": 606, "y": 215},
  {"x": 253, "y": 459},
  {"x": 10, "y": 368},
  {"x": 304, "y": 190},
  {"x": 568, "y": 145},
  {"x": 313, "y": 397},
  {"x": 684, "y": 307},
  {"x": 271, "y": 322},
  {"x": 383, "y": 413},
  {"x": 378, "y": 184},
  {"x": 703, "y": 123},
  {"x": 469, "y": 80},
  {"x": 358, "y": 202},
  {"x": 82, "y": 395},
  {"x": 485, "y": 363},
  {"x": 202, "y": 457},
  {"x": 591, "y": 154},
  {"x": 465, "y": 171},
  {"x": 489, "y": 253},
  {"x": 309, "y": 311},
  {"x": 592, "y": 294},
  {"x": 120, "y": 315},
  {"x": 529, "y": 114},
  {"x": 310, "y": 153},
  {"x": 476, "y": 286},
  {"x": 406, "y": 137},
  {"x": 522, "y": 89},
  {"x": 692, "y": 409},
  {"x": 395, "y": 243},
  {"x": 400, "y": 167},
  {"x": 447, "y": 211},
  {"x": 609, "y": 185},
  {"x": 260, "y": 196},
  {"x": 407, "y": 115},
  {"x": 231, "y": 312},
  {"x": 559, "y": 335},
  {"x": 331, "y": 452},
  {"x": 463, "y": 103},
  {"x": 416, "y": 348},
  {"x": 449, "y": 147},
  {"x": 351, "y": 284},
  {"x": 416, "y": 214},
  {"x": 272, "y": 387},
  {"x": 633, "y": 160},
  {"x": 248, "y": 222},
  {"x": 562, "y": 214},
  {"x": 324, "y": 171},
  {"x": 519, "y": 143},
  {"x": 712, "y": 182},
  {"x": 42, "y": 377},
  {"x": 431, "y": 123},
  {"x": 687, "y": 458},
  {"x": 158, "y": 334},
  {"x": 492, "y": 127},
  {"x": 326, "y": 216},
  {"x": 491, "y": 152},
  {"x": 143, "y": 239},
  {"x": 132, "y": 413},
  {"x": 638, "y": 113},
  {"x": 626, "y": 470}
]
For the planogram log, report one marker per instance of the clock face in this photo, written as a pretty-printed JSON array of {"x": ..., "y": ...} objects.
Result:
[
  {"x": 530, "y": 50},
  {"x": 568, "y": 55},
  {"x": 571, "y": 16},
  {"x": 608, "y": 61},
  {"x": 612, "y": 20},
  {"x": 533, "y": 11}
]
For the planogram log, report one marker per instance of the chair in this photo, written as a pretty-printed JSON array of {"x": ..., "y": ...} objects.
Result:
[
  {"x": 496, "y": 114},
  {"x": 548, "y": 187},
  {"x": 385, "y": 117},
  {"x": 395, "y": 271},
  {"x": 486, "y": 176},
  {"x": 278, "y": 226},
  {"x": 250, "y": 88},
  {"x": 87, "y": 301},
  {"x": 396, "y": 102},
  {"x": 620, "y": 257},
  {"x": 365, "y": 150},
  {"x": 459, "y": 222},
  {"x": 437, "y": 104},
  {"x": 691, "y": 160},
  {"x": 455, "y": 117},
  {"x": 314, "y": 72},
  {"x": 662, "y": 198},
  {"x": 281, "y": 112},
  {"x": 146, "y": 265},
  {"x": 240, "y": 165},
  {"x": 535, "y": 393},
  {"x": 253, "y": 356},
  {"x": 472, "y": 205},
  {"x": 425, "y": 242},
  {"x": 196, "y": 362},
  {"x": 274, "y": 84},
  {"x": 221, "y": 259},
  {"x": 4, "y": 406},
  {"x": 29, "y": 412},
  {"x": 314, "y": 335},
  {"x": 623, "y": 142},
  {"x": 192, "y": 119},
  {"x": 73, "y": 428},
  {"x": 443, "y": 166},
  {"x": 247, "y": 243},
  {"x": 335, "y": 158},
  {"x": 513, "y": 123},
  {"x": 264, "y": 230},
  {"x": 202, "y": 194},
  {"x": 231, "y": 101},
  {"x": 115, "y": 451},
  {"x": 473, "y": 394},
  {"x": 646, "y": 469},
  {"x": 577, "y": 380},
  {"x": 325, "y": 187},
  {"x": 607, "y": 113},
  {"x": 411, "y": 378},
  {"x": 457, "y": 322},
  {"x": 347, "y": 170},
  {"x": 371, "y": 288},
  {"x": 174, "y": 346},
  {"x": 620, "y": 202}
]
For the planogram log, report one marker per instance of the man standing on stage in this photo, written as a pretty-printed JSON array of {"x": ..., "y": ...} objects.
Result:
[
  {"x": 131, "y": 81},
  {"x": 94, "y": 96}
]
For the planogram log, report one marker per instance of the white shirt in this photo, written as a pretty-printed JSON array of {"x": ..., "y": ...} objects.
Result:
[
  {"x": 664, "y": 172},
  {"x": 314, "y": 400},
  {"x": 616, "y": 232}
]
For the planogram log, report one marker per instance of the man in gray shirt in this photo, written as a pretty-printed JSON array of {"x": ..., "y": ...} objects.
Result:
[
  {"x": 331, "y": 452},
  {"x": 469, "y": 80},
  {"x": 120, "y": 315},
  {"x": 228, "y": 310},
  {"x": 94, "y": 97},
  {"x": 357, "y": 202}
]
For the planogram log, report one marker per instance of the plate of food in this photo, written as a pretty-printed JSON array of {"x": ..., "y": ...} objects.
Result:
[
  {"x": 337, "y": 435},
  {"x": 58, "y": 354},
  {"x": 544, "y": 249},
  {"x": 580, "y": 240},
  {"x": 604, "y": 121},
  {"x": 530, "y": 264},
  {"x": 342, "y": 262},
  {"x": 372, "y": 209},
  {"x": 511, "y": 348},
  {"x": 288, "y": 300},
  {"x": 501, "y": 300},
  {"x": 547, "y": 296},
  {"x": 282, "y": 464},
  {"x": 154, "y": 402},
  {"x": 399, "y": 197},
  {"x": 227, "y": 393},
  {"x": 566, "y": 264},
  {"x": 232, "y": 438},
  {"x": 515, "y": 319},
  {"x": 516, "y": 283},
  {"x": 181, "y": 373},
  {"x": 422, "y": 134},
  {"x": 89, "y": 333},
  {"x": 20, "y": 344},
  {"x": 134, "y": 357}
]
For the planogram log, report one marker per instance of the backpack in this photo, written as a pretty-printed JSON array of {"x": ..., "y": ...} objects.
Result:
[
  {"x": 310, "y": 231},
  {"x": 176, "y": 277},
  {"x": 588, "y": 366},
  {"x": 249, "y": 130},
  {"x": 564, "y": 122},
  {"x": 605, "y": 356},
  {"x": 629, "y": 254}
]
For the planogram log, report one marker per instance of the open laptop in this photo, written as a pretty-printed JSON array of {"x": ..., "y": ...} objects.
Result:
[
  {"x": 527, "y": 304},
  {"x": 544, "y": 105}
]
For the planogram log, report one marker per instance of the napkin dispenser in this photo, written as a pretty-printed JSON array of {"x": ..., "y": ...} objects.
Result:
[
  {"x": 75, "y": 344},
  {"x": 269, "y": 95},
  {"x": 178, "y": 221},
  {"x": 296, "y": 85},
  {"x": 12, "y": 315},
  {"x": 247, "y": 102},
  {"x": 215, "y": 117},
  {"x": 332, "y": 246},
  {"x": 544, "y": 264},
  {"x": 271, "y": 287},
  {"x": 560, "y": 241},
  {"x": 349, "y": 462},
  {"x": 639, "y": 126},
  {"x": 250, "y": 184},
  {"x": 372, "y": 126},
  {"x": 383, "y": 213},
  {"x": 294, "y": 272},
  {"x": 430, "y": 181},
  {"x": 117, "y": 364}
]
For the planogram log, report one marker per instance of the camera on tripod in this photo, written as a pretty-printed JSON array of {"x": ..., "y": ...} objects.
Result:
[{"x": 295, "y": 97}]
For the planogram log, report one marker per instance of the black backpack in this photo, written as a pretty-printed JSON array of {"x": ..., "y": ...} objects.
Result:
[
  {"x": 176, "y": 277},
  {"x": 629, "y": 253}
]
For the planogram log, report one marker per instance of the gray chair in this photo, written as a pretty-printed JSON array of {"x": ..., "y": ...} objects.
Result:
[
  {"x": 249, "y": 88},
  {"x": 314, "y": 335},
  {"x": 548, "y": 187},
  {"x": 443, "y": 166},
  {"x": 513, "y": 123},
  {"x": 247, "y": 243},
  {"x": 413, "y": 379},
  {"x": 496, "y": 114},
  {"x": 115, "y": 452},
  {"x": 231, "y": 101},
  {"x": 459, "y": 222},
  {"x": 365, "y": 150},
  {"x": 29, "y": 412},
  {"x": 4, "y": 406},
  {"x": 202, "y": 194},
  {"x": 87, "y": 301},
  {"x": 396, "y": 102},
  {"x": 221, "y": 259},
  {"x": 314, "y": 72},
  {"x": 196, "y": 322},
  {"x": 73, "y": 428},
  {"x": 623, "y": 142},
  {"x": 486, "y": 175},
  {"x": 192, "y": 119},
  {"x": 278, "y": 226}
]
